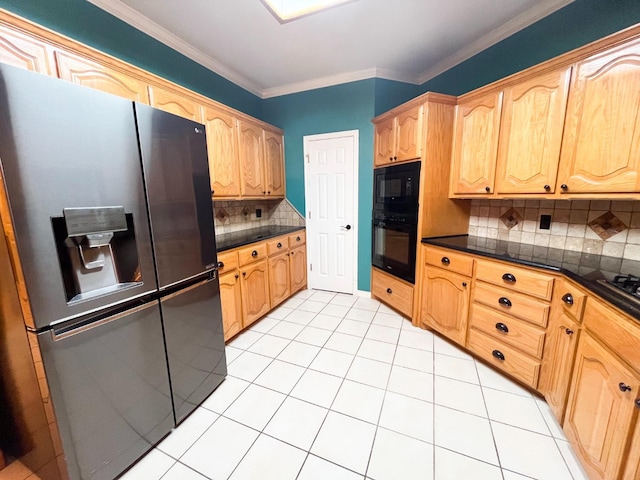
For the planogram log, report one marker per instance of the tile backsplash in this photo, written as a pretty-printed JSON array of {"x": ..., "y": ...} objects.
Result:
[
  {"x": 598, "y": 226},
  {"x": 231, "y": 216}
]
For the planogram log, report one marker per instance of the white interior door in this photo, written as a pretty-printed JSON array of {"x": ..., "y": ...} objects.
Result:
[{"x": 331, "y": 192}]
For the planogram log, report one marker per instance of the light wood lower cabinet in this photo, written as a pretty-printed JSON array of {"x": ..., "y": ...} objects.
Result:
[
  {"x": 445, "y": 303},
  {"x": 393, "y": 291},
  {"x": 231, "y": 300},
  {"x": 254, "y": 279},
  {"x": 279, "y": 279},
  {"x": 600, "y": 409},
  {"x": 298, "y": 268}
]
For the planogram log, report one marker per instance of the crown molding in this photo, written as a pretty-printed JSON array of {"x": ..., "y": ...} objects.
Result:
[
  {"x": 142, "y": 23},
  {"x": 514, "y": 25}
]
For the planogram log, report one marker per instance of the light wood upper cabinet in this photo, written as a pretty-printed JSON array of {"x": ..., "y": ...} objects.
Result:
[
  {"x": 279, "y": 279},
  {"x": 445, "y": 303},
  {"x": 274, "y": 164},
  {"x": 600, "y": 409},
  {"x": 251, "y": 142},
  {"x": 399, "y": 138},
  {"x": 298, "y": 266},
  {"x": 231, "y": 302},
  {"x": 91, "y": 74},
  {"x": 222, "y": 146},
  {"x": 602, "y": 131},
  {"x": 175, "y": 103},
  {"x": 25, "y": 52},
  {"x": 475, "y": 144},
  {"x": 255, "y": 291},
  {"x": 531, "y": 134}
]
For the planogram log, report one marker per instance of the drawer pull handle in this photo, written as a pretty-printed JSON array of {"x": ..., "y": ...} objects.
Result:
[
  {"x": 297, "y": 239},
  {"x": 498, "y": 354},
  {"x": 279, "y": 245},
  {"x": 220, "y": 264},
  {"x": 254, "y": 253},
  {"x": 502, "y": 327},
  {"x": 568, "y": 331},
  {"x": 389, "y": 290},
  {"x": 508, "y": 277},
  {"x": 624, "y": 387},
  {"x": 567, "y": 298},
  {"x": 445, "y": 260},
  {"x": 504, "y": 301}
]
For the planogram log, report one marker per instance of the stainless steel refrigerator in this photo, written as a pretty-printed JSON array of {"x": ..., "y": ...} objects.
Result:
[{"x": 111, "y": 211}]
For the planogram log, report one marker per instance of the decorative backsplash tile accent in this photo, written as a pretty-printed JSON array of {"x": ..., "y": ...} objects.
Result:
[
  {"x": 570, "y": 222},
  {"x": 231, "y": 216},
  {"x": 607, "y": 225},
  {"x": 511, "y": 218}
]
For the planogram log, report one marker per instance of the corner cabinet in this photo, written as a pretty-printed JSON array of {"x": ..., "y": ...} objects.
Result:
[
  {"x": 261, "y": 161},
  {"x": 399, "y": 138},
  {"x": 274, "y": 163},
  {"x": 475, "y": 144},
  {"x": 602, "y": 131},
  {"x": 231, "y": 301}
]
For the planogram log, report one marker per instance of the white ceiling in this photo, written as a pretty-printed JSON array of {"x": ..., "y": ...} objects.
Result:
[{"x": 405, "y": 40}]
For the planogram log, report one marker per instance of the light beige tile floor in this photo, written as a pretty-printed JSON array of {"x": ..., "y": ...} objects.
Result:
[{"x": 338, "y": 387}]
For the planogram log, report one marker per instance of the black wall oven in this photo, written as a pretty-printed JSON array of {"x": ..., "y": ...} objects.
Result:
[{"x": 395, "y": 219}]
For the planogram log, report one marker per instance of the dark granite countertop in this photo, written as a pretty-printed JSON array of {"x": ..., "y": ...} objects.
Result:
[
  {"x": 227, "y": 241},
  {"x": 583, "y": 268}
]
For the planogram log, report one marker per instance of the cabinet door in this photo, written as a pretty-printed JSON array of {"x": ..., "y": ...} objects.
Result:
[
  {"x": 445, "y": 303},
  {"x": 255, "y": 292},
  {"x": 279, "y": 283},
  {"x": 222, "y": 147},
  {"x": 231, "y": 301},
  {"x": 85, "y": 72},
  {"x": 175, "y": 103},
  {"x": 558, "y": 358},
  {"x": 475, "y": 145},
  {"x": 599, "y": 413},
  {"x": 632, "y": 467},
  {"x": 25, "y": 52},
  {"x": 274, "y": 164},
  {"x": 531, "y": 134},
  {"x": 408, "y": 134},
  {"x": 602, "y": 131},
  {"x": 298, "y": 265},
  {"x": 251, "y": 159},
  {"x": 384, "y": 146}
]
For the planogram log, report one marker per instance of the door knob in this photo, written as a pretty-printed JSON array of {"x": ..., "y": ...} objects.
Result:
[{"x": 347, "y": 227}]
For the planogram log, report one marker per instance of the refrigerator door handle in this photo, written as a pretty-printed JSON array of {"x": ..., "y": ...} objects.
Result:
[
  {"x": 85, "y": 328},
  {"x": 190, "y": 287}
]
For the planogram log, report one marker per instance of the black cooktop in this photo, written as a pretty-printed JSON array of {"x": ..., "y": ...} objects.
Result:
[{"x": 227, "y": 241}]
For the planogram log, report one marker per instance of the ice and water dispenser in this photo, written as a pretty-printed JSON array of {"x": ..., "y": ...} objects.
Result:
[{"x": 97, "y": 251}]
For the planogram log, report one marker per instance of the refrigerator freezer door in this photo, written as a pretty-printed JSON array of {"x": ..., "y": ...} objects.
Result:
[
  {"x": 176, "y": 173},
  {"x": 110, "y": 390},
  {"x": 63, "y": 146},
  {"x": 195, "y": 344}
]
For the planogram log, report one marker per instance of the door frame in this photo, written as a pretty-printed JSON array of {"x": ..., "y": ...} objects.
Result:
[{"x": 355, "y": 134}]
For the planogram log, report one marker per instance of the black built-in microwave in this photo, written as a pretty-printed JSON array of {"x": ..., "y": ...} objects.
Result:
[{"x": 395, "y": 188}]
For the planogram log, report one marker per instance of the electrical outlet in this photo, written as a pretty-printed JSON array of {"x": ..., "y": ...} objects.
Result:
[
  {"x": 545, "y": 222},
  {"x": 258, "y": 212}
]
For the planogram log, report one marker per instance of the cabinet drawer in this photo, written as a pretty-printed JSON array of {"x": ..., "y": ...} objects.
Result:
[
  {"x": 571, "y": 298},
  {"x": 257, "y": 251},
  {"x": 515, "y": 278},
  {"x": 516, "y": 304},
  {"x": 297, "y": 238},
  {"x": 517, "y": 364},
  {"x": 449, "y": 260},
  {"x": 514, "y": 332},
  {"x": 618, "y": 332},
  {"x": 227, "y": 261},
  {"x": 392, "y": 291},
  {"x": 277, "y": 245}
]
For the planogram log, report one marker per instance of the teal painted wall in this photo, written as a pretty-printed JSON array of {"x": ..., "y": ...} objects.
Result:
[
  {"x": 82, "y": 21},
  {"x": 389, "y": 94},
  {"x": 343, "y": 107}
]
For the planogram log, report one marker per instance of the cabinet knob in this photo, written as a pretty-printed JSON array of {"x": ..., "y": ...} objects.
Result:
[
  {"x": 624, "y": 387},
  {"x": 220, "y": 264},
  {"x": 547, "y": 188},
  {"x": 564, "y": 187},
  {"x": 568, "y": 331},
  {"x": 292, "y": 253},
  {"x": 498, "y": 354},
  {"x": 389, "y": 291},
  {"x": 502, "y": 327},
  {"x": 508, "y": 277},
  {"x": 567, "y": 298},
  {"x": 237, "y": 276},
  {"x": 445, "y": 260},
  {"x": 395, "y": 158},
  {"x": 244, "y": 274},
  {"x": 391, "y": 159},
  {"x": 637, "y": 402},
  {"x": 504, "y": 301},
  {"x": 254, "y": 253},
  {"x": 487, "y": 189},
  {"x": 264, "y": 192},
  {"x": 212, "y": 192},
  {"x": 279, "y": 245},
  {"x": 297, "y": 239},
  {"x": 269, "y": 192},
  {"x": 464, "y": 284}
]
